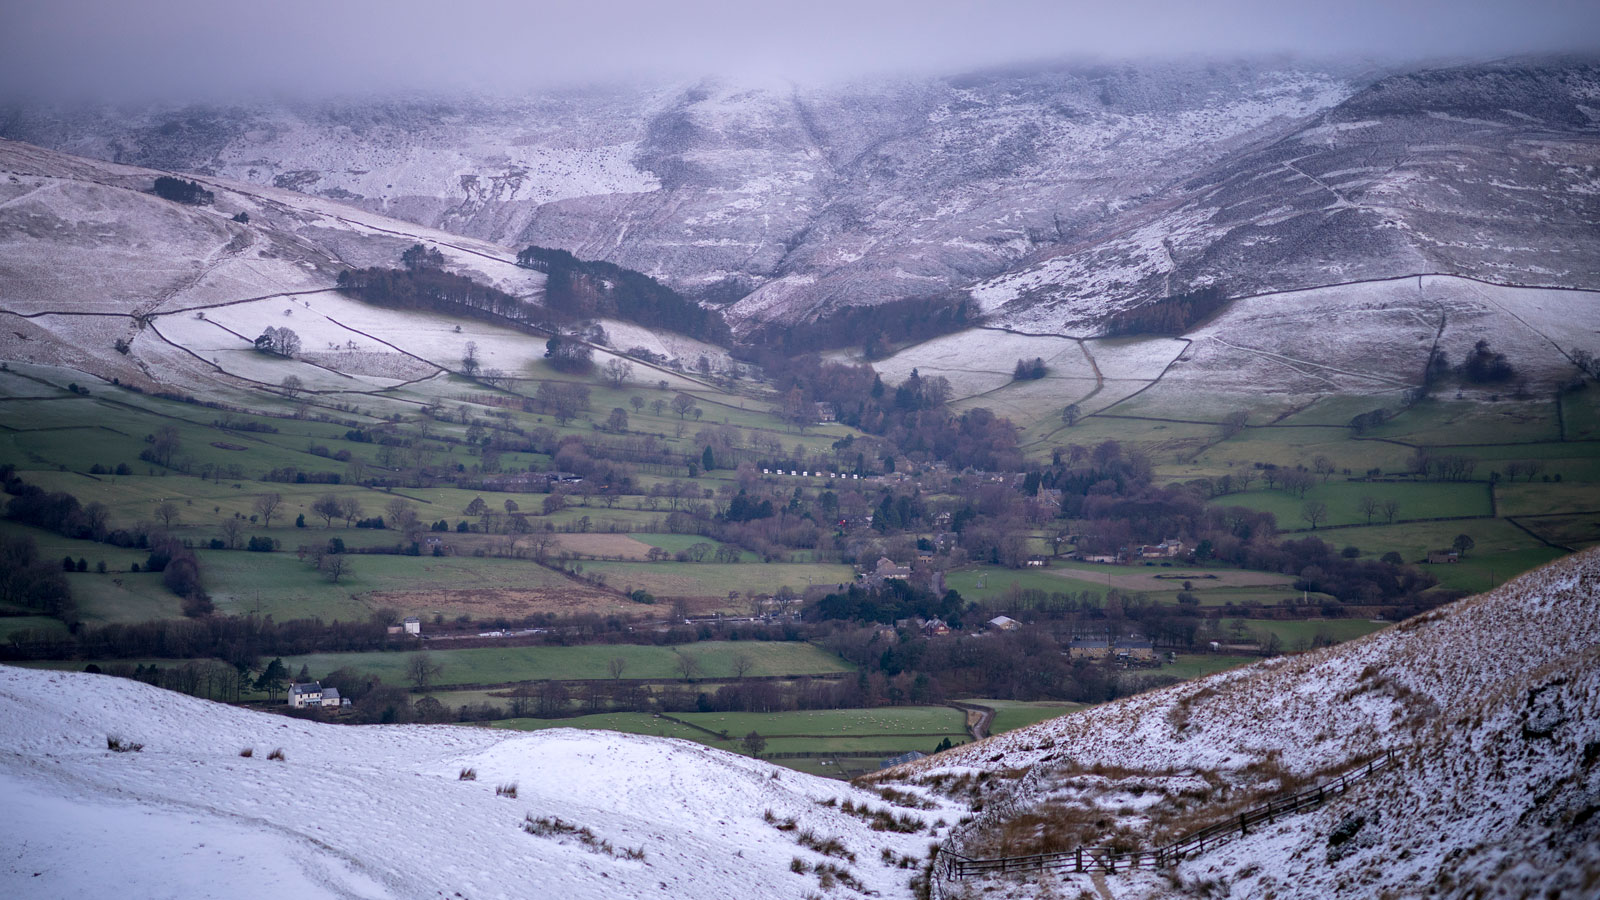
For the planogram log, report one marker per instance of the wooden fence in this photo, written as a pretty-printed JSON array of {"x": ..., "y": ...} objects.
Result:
[{"x": 954, "y": 866}]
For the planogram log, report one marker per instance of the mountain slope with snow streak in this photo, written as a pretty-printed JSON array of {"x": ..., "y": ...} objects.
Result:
[
  {"x": 1491, "y": 705},
  {"x": 379, "y": 812}
]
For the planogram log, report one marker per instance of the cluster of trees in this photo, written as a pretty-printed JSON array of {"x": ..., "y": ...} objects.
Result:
[
  {"x": 1485, "y": 366},
  {"x": 282, "y": 342},
  {"x": 894, "y": 599},
  {"x": 911, "y": 418},
  {"x": 568, "y": 354},
  {"x": 1170, "y": 315},
  {"x": 1443, "y": 466},
  {"x": 1364, "y": 422},
  {"x": 564, "y": 400},
  {"x": 432, "y": 289},
  {"x": 27, "y": 580},
  {"x": 587, "y": 289},
  {"x": 181, "y": 190},
  {"x": 1029, "y": 369},
  {"x": 874, "y": 328}
]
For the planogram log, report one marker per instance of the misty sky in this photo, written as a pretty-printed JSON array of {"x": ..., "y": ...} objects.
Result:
[{"x": 212, "y": 49}]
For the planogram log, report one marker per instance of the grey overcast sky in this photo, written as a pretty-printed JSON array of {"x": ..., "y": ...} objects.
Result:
[{"x": 213, "y": 49}]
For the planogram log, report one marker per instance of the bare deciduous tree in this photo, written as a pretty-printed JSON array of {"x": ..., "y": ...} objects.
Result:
[
  {"x": 1314, "y": 512},
  {"x": 167, "y": 512},
  {"x": 1369, "y": 507},
  {"x": 688, "y": 665},
  {"x": 422, "y": 670},
  {"x": 266, "y": 506},
  {"x": 334, "y": 566},
  {"x": 1391, "y": 508},
  {"x": 232, "y": 529},
  {"x": 329, "y": 507}
]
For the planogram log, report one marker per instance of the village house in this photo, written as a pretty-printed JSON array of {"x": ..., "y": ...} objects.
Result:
[
  {"x": 1004, "y": 623},
  {"x": 1088, "y": 649},
  {"x": 825, "y": 412},
  {"x": 313, "y": 694},
  {"x": 935, "y": 628},
  {"x": 1037, "y": 562},
  {"x": 1167, "y": 549},
  {"x": 413, "y": 625},
  {"x": 1133, "y": 649},
  {"x": 1443, "y": 556},
  {"x": 884, "y": 570}
]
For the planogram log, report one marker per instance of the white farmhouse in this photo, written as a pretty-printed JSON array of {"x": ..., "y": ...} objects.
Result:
[{"x": 313, "y": 694}]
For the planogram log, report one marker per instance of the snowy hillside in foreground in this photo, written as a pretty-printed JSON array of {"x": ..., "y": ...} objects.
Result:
[
  {"x": 378, "y": 811},
  {"x": 1492, "y": 705}
]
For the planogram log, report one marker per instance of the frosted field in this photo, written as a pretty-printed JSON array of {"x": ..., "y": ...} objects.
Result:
[
  {"x": 1139, "y": 359},
  {"x": 979, "y": 360},
  {"x": 1024, "y": 401},
  {"x": 687, "y": 350},
  {"x": 378, "y": 811},
  {"x": 85, "y": 247},
  {"x": 1366, "y": 339}
]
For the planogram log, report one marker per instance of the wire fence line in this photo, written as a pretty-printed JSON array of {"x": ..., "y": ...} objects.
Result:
[{"x": 953, "y": 866}]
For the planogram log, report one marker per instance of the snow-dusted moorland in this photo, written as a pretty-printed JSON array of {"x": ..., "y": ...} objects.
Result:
[{"x": 1491, "y": 705}]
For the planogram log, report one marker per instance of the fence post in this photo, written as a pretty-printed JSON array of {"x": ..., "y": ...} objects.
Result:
[
  {"x": 1244, "y": 827},
  {"x": 1079, "y": 867}
]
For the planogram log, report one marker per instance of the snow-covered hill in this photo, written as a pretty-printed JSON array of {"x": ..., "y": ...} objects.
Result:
[
  {"x": 800, "y": 198},
  {"x": 1054, "y": 193},
  {"x": 380, "y": 812},
  {"x": 89, "y": 257},
  {"x": 1492, "y": 705}
]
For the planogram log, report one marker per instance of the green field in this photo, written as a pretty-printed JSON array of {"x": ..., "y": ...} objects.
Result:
[
  {"x": 10, "y": 625},
  {"x": 1189, "y": 666},
  {"x": 880, "y": 732},
  {"x": 892, "y": 720},
  {"x": 499, "y": 665},
  {"x": 998, "y": 581},
  {"x": 1418, "y": 500},
  {"x": 1524, "y": 498},
  {"x": 1009, "y": 715},
  {"x": 1300, "y": 633},
  {"x": 1443, "y": 422},
  {"x": 1502, "y": 550},
  {"x": 709, "y": 579}
]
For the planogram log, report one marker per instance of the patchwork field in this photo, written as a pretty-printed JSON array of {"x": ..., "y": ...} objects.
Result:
[{"x": 499, "y": 665}]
